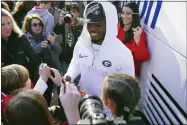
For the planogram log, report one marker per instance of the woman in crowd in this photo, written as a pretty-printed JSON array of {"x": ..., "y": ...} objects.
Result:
[
  {"x": 15, "y": 46},
  {"x": 46, "y": 45},
  {"x": 132, "y": 35},
  {"x": 28, "y": 108}
]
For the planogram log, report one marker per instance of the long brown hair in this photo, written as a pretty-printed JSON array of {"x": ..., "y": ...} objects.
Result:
[
  {"x": 27, "y": 22},
  {"x": 28, "y": 108},
  {"x": 135, "y": 21}
]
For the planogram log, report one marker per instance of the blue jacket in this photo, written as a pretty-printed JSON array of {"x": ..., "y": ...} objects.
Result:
[{"x": 53, "y": 50}]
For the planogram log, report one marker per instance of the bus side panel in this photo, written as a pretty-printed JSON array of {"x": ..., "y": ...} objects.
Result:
[{"x": 163, "y": 84}]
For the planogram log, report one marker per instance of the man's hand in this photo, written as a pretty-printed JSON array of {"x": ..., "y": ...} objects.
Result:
[
  {"x": 44, "y": 72},
  {"x": 57, "y": 79}
]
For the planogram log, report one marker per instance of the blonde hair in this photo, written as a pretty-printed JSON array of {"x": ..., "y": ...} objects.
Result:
[
  {"x": 16, "y": 29},
  {"x": 13, "y": 77}
]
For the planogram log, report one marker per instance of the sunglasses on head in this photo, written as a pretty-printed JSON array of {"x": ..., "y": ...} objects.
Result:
[{"x": 37, "y": 24}]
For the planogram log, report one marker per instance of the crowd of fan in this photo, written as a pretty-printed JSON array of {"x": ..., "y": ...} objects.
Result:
[{"x": 37, "y": 48}]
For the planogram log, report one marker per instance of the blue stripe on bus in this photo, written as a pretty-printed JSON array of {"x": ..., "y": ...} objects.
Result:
[
  {"x": 157, "y": 11},
  {"x": 148, "y": 12},
  {"x": 143, "y": 10},
  {"x": 138, "y": 3}
]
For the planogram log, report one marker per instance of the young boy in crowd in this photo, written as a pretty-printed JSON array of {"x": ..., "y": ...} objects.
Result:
[{"x": 14, "y": 77}]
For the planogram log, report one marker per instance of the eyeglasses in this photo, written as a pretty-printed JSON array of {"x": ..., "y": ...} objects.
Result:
[{"x": 37, "y": 24}]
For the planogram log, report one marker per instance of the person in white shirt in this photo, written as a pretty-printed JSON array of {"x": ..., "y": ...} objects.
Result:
[{"x": 98, "y": 52}]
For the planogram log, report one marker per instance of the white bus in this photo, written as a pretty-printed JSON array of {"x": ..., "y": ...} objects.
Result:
[{"x": 163, "y": 78}]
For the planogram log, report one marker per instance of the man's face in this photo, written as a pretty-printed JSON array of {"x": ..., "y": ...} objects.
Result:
[
  {"x": 75, "y": 14},
  {"x": 97, "y": 31}
]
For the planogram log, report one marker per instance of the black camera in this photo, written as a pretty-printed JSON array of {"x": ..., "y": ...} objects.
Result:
[
  {"x": 66, "y": 13},
  {"x": 68, "y": 17},
  {"x": 91, "y": 112}
]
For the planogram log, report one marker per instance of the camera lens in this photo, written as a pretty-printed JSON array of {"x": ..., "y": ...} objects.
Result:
[
  {"x": 67, "y": 18},
  {"x": 90, "y": 106}
]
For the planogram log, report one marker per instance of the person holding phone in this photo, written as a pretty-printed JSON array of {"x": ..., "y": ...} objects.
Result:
[
  {"x": 132, "y": 34},
  {"x": 46, "y": 45}
]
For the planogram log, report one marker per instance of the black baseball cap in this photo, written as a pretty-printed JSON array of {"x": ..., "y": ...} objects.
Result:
[{"x": 94, "y": 13}]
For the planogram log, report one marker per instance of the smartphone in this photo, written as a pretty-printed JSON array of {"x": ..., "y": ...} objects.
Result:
[{"x": 136, "y": 21}]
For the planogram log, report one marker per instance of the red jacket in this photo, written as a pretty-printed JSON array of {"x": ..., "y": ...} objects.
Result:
[
  {"x": 140, "y": 52},
  {"x": 5, "y": 99}
]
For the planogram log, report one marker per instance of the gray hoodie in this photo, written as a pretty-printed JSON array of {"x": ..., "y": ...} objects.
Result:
[{"x": 47, "y": 18}]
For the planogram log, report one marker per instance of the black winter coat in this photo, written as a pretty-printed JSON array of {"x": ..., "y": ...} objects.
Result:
[{"x": 18, "y": 50}]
